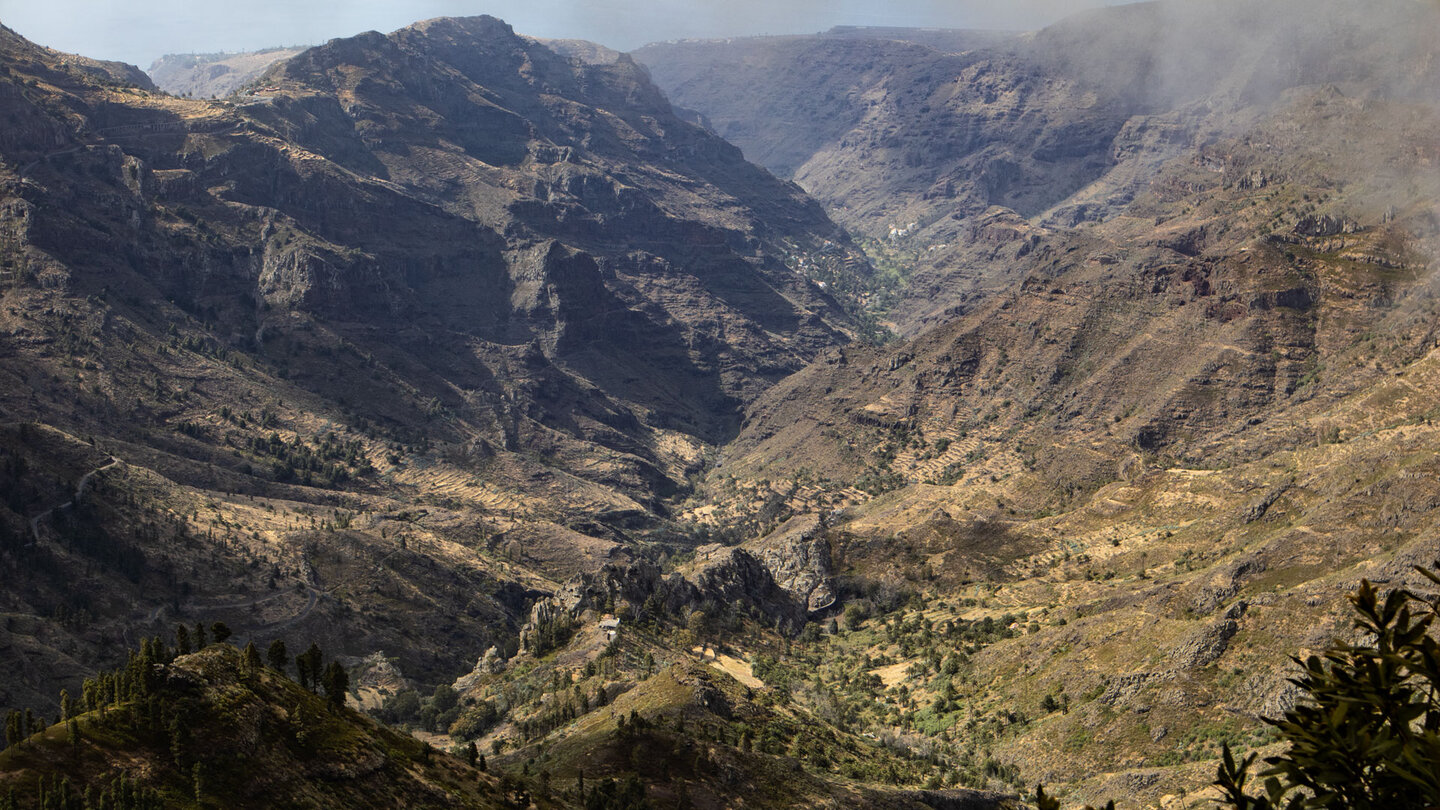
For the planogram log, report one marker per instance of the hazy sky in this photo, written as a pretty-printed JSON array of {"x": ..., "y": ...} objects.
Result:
[{"x": 139, "y": 31}]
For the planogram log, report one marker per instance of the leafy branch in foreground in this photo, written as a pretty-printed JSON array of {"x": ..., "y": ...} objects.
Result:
[{"x": 1368, "y": 733}]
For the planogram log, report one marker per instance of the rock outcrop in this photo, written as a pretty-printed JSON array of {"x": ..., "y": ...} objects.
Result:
[
  {"x": 630, "y": 583},
  {"x": 532, "y": 256},
  {"x": 731, "y": 575},
  {"x": 797, "y": 555},
  {"x": 1206, "y": 644},
  {"x": 491, "y": 663}
]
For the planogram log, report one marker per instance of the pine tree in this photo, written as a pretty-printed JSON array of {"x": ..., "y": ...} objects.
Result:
[
  {"x": 182, "y": 640},
  {"x": 335, "y": 681},
  {"x": 201, "y": 782},
  {"x": 179, "y": 741},
  {"x": 13, "y": 731},
  {"x": 200, "y": 641},
  {"x": 220, "y": 631},
  {"x": 252, "y": 658},
  {"x": 152, "y": 651},
  {"x": 279, "y": 659},
  {"x": 472, "y": 754},
  {"x": 313, "y": 666}
]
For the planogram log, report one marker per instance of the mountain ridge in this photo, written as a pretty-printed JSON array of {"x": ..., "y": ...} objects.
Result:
[
  {"x": 255, "y": 310},
  {"x": 481, "y": 366}
]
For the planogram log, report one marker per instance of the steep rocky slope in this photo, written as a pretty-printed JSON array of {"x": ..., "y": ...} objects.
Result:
[
  {"x": 887, "y": 131},
  {"x": 1259, "y": 281},
  {"x": 1160, "y": 450},
  {"x": 433, "y": 323},
  {"x": 922, "y": 146},
  {"x": 476, "y": 363}
]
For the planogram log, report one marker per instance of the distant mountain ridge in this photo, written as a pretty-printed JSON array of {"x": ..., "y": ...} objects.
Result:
[
  {"x": 1062, "y": 126},
  {"x": 1174, "y": 413},
  {"x": 213, "y": 75}
]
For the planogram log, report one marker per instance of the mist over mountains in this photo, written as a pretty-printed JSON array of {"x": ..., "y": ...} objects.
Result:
[{"x": 1012, "y": 417}]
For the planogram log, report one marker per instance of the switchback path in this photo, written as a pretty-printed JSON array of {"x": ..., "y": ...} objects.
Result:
[
  {"x": 79, "y": 493},
  {"x": 312, "y": 599}
]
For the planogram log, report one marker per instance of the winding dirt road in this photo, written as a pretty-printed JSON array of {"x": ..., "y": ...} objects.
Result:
[{"x": 79, "y": 493}]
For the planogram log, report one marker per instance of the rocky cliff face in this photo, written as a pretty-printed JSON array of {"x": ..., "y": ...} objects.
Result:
[
  {"x": 887, "y": 131},
  {"x": 797, "y": 555},
  {"x": 783, "y": 577},
  {"x": 482, "y": 305},
  {"x": 464, "y": 202},
  {"x": 591, "y": 158},
  {"x": 1197, "y": 338},
  {"x": 916, "y": 143}
]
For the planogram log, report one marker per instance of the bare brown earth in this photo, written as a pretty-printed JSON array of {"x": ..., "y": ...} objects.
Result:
[
  {"x": 1175, "y": 443},
  {"x": 450, "y": 347}
]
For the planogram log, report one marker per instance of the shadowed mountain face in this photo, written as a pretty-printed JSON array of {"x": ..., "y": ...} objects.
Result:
[
  {"x": 451, "y": 179},
  {"x": 635, "y": 245},
  {"x": 443, "y": 261}
]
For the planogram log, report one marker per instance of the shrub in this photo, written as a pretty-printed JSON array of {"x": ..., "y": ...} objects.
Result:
[{"x": 1368, "y": 734}]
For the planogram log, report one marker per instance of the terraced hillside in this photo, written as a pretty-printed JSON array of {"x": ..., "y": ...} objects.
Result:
[{"x": 542, "y": 412}]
